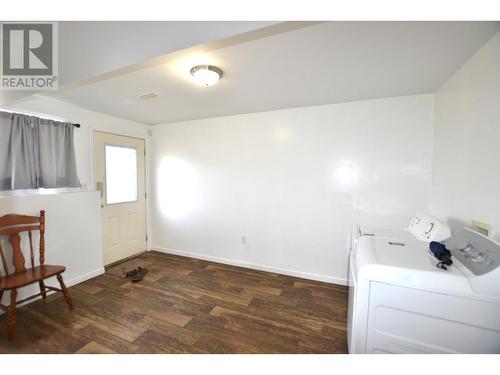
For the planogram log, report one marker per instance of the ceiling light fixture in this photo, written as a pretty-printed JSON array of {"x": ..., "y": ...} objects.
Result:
[
  {"x": 206, "y": 75},
  {"x": 147, "y": 95}
]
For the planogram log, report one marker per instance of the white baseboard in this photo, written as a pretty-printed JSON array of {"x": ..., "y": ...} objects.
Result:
[
  {"x": 84, "y": 277},
  {"x": 75, "y": 280},
  {"x": 255, "y": 266}
]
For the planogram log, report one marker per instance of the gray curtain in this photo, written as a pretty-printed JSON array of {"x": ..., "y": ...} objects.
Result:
[{"x": 36, "y": 153}]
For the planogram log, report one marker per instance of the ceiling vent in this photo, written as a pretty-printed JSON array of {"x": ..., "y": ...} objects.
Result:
[{"x": 148, "y": 95}]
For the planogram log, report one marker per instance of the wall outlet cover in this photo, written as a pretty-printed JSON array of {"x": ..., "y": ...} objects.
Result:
[{"x": 481, "y": 227}]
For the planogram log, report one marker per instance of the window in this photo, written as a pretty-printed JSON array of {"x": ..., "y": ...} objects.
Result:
[
  {"x": 36, "y": 153},
  {"x": 121, "y": 174}
]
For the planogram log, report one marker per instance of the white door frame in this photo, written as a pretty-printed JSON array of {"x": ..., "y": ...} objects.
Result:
[{"x": 92, "y": 167}]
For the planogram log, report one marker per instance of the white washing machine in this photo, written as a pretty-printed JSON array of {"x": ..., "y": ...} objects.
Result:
[{"x": 400, "y": 302}]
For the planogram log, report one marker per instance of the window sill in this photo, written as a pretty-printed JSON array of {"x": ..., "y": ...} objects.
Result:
[{"x": 32, "y": 192}]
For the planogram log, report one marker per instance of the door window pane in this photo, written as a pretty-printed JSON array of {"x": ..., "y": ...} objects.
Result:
[{"x": 121, "y": 174}]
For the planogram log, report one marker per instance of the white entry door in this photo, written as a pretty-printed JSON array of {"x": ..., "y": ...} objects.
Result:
[{"x": 120, "y": 178}]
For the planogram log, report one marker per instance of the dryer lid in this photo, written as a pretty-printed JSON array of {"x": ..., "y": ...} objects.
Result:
[{"x": 427, "y": 228}]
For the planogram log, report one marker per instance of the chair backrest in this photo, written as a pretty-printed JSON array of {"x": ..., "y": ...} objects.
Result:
[{"x": 12, "y": 225}]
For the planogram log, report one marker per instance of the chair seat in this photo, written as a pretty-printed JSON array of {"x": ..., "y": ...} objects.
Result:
[{"x": 29, "y": 276}]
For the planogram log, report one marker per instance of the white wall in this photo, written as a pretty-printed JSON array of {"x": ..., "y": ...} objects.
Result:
[
  {"x": 73, "y": 236},
  {"x": 73, "y": 219},
  {"x": 290, "y": 181},
  {"x": 466, "y": 169}
]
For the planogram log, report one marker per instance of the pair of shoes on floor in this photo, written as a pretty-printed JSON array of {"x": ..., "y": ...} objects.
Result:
[{"x": 136, "y": 274}]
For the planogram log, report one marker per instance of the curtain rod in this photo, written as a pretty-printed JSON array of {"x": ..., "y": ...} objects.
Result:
[{"x": 26, "y": 114}]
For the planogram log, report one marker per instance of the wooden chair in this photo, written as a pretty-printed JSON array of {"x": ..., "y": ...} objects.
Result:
[{"x": 12, "y": 226}]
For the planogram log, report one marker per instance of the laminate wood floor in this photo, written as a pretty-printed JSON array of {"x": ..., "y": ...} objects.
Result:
[{"x": 186, "y": 305}]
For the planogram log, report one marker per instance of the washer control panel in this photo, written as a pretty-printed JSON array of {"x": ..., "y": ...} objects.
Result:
[
  {"x": 475, "y": 251},
  {"x": 427, "y": 228}
]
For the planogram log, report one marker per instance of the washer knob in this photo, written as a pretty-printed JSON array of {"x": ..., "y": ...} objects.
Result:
[
  {"x": 467, "y": 250},
  {"x": 478, "y": 257}
]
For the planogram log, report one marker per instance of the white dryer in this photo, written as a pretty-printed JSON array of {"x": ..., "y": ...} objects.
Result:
[{"x": 400, "y": 302}]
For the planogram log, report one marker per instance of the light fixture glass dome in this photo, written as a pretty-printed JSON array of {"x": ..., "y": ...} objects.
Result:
[{"x": 206, "y": 75}]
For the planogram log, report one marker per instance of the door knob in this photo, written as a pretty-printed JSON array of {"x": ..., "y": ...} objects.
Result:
[{"x": 99, "y": 186}]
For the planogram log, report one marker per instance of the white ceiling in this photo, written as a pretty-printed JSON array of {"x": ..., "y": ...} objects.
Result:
[
  {"x": 88, "y": 49},
  {"x": 321, "y": 63}
]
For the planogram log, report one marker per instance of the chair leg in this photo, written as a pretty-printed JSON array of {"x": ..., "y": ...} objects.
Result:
[
  {"x": 65, "y": 292},
  {"x": 11, "y": 314},
  {"x": 42, "y": 289}
]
